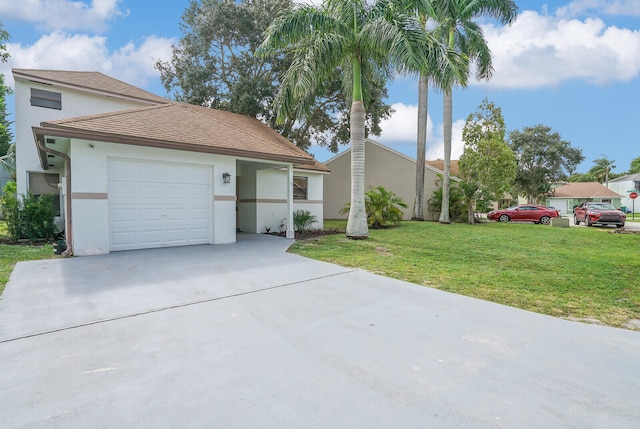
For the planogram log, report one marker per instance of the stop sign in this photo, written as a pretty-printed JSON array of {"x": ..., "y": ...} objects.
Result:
[{"x": 633, "y": 195}]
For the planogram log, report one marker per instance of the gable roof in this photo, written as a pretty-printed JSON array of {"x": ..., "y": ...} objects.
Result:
[
  {"x": 94, "y": 82},
  {"x": 626, "y": 178},
  {"x": 181, "y": 126},
  {"x": 583, "y": 190},
  {"x": 392, "y": 151},
  {"x": 316, "y": 166},
  {"x": 439, "y": 164}
]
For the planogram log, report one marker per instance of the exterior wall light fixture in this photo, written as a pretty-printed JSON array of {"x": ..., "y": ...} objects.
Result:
[{"x": 226, "y": 178}]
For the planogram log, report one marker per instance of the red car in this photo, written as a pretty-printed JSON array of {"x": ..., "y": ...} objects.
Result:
[
  {"x": 524, "y": 213},
  {"x": 596, "y": 213}
]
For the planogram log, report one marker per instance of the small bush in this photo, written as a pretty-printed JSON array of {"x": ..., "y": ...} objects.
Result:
[
  {"x": 382, "y": 207},
  {"x": 28, "y": 217},
  {"x": 456, "y": 202},
  {"x": 302, "y": 220}
]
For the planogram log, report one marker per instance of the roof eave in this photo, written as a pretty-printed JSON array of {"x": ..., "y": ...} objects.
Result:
[
  {"x": 24, "y": 76},
  {"x": 43, "y": 131}
]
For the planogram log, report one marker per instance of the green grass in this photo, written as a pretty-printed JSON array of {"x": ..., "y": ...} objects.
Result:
[
  {"x": 580, "y": 273},
  {"x": 10, "y": 254}
]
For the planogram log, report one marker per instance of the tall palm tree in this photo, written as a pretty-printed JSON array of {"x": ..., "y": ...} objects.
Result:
[
  {"x": 348, "y": 37},
  {"x": 602, "y": 169},
  {"x": 438, "y": 73},
  {"x": 462, "y": 34}
]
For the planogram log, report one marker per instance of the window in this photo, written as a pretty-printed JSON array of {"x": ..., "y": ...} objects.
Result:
[
  {"x": 299, "y": 188},
  {"x": 636, "y": 185},
  {"x": 48, "y": 99},
  {"x": 45, "y": 184}
]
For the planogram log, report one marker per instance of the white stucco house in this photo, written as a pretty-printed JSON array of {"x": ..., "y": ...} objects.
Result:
[
  {"x": 133, "y": 170},
  {"x": 624, "y": 185}
]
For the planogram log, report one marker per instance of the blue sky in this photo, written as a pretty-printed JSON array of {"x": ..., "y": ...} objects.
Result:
[{"x": 571, "y": 65}]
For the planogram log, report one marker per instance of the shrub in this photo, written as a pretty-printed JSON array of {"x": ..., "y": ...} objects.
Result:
[
  {"x": 456, "y": 202},
  {"x": 382, "y": 207},
  {"x": 28, "y": 217},
  {"x": 11, "y": 210},
  {"x": 302, "y": 220}
]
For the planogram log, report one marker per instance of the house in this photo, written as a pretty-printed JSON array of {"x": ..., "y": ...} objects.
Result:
[
  {"x": 133, "y": 170},
  {"x": 438, "y": 164},
  {"x": 624, "y": 186},
  {"x": 564, "y": 198},
  {"x": 383, "y": 167}
]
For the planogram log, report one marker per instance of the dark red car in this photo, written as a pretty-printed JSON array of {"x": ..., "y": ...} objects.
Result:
[
  {"x": 596, "y": 213},
  {"x": 524, "y": 213}
]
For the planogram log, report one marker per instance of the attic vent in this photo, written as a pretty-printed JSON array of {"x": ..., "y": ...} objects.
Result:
[{"x": 51, "y": 141}]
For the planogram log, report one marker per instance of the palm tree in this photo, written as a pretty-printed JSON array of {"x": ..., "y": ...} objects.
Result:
[
  {"x": 602, "y": 168},
  {"x": 459, "y": 31},
  {"x": 436, "y": 73},
  {"x": 349, "y": 37}
]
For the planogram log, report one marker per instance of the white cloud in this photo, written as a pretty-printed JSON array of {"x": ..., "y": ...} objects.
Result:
[
  {"x": 607, "y": 7},
  {"x": 544, "y": 51},
  {"x": 435, "y": 149},
  {"x": 399, "y": 131},
  {"x": 131, "y": 63},
  {"x": 64, "y": 14}
]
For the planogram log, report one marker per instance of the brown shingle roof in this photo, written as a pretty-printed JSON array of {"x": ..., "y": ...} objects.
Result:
[
  {"x": 583, "y": 190},
  {"x": 183, "y": 127},
  {"x": 317, "y": 166},
  {"x": 439, "y": 164},
  {"x": 95, "y": 82}
]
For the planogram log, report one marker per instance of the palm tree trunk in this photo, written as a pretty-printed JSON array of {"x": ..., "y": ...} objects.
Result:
[
  {"x": 448, "y": 124},
  {"x": 357, "y": 222},
  {"x": 423, "y": 98}
]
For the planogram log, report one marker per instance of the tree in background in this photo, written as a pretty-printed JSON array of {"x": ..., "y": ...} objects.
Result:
[
  {"x": 350, "y": 39},
  {"x": 5, "y": 132},
  {"x": 455, "y": 22},
  {"x": 487, "y": 165},
  {"x": 580, "y": 177},
  {"x": 602, "y": 169},
  {"x": 543, "y": 158},
  {"x": 635, "y": 166},
  {"x": 214, "y": 65}
]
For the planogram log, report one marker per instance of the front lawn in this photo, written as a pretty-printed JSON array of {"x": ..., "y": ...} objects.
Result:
[{"x": 577, "y": 273}]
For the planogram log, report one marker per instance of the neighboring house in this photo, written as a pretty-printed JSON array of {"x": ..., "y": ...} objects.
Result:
[
  {"x": 624, "y": 186},
  {"x": 564, "y": 198},
  {"x": 134, "y": 170},
  {"x": 383, "y": 167},
  {"x": 438, "y": 164}
]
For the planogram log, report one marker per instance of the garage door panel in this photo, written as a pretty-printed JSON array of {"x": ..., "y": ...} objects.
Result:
[{"x": 155, "y": 204}]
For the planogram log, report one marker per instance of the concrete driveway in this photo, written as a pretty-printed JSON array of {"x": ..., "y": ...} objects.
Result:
[{"x": 248, "y": 336}]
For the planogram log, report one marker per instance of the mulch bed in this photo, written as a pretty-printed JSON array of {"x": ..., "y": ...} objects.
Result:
[{"x": 311, "y": 233}]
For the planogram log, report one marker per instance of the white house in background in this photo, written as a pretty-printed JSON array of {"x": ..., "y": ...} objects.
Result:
[
  {"x": 133, "y": 170},
  {"x": 624, "y": 186},
  {"x": 564, "y": 198}
]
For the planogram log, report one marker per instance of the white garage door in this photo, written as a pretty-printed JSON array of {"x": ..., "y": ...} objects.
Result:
[{"x": 158, "y": 204}]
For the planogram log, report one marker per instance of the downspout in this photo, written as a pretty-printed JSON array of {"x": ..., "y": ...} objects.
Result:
[{"x": 40, "y": 144}]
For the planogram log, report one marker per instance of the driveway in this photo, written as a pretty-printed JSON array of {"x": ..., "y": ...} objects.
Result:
[{"x": 248, "y": 336}]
